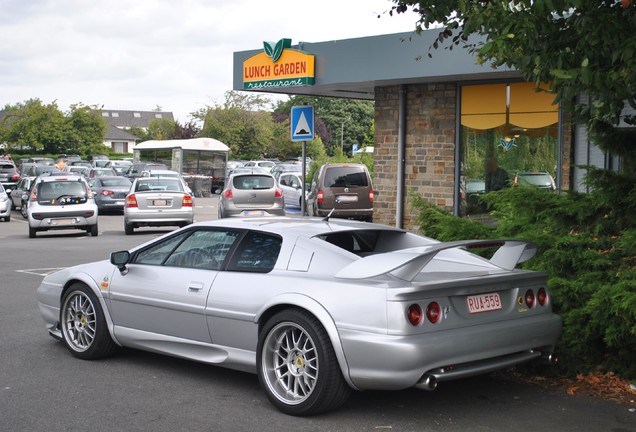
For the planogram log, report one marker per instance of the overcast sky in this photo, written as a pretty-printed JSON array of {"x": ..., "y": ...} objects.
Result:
[{"x": 176, "y": 54}]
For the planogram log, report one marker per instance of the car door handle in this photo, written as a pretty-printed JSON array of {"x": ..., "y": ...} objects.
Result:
[{"x": 195, "y": 286}]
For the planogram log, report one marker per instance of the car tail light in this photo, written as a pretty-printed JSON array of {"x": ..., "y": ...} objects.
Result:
[
  {"x": 131, "y": 201},
  {"x": 278, "y": 193},
  {"x": 542, "y": 296},
  {"x": 370, "y": 196},
  {"x": 228, "y": 194},
  {"x": 15, "y": 177},
  {"x": 187, "y": 201},
  {"x": 530, "y": 298},
  {"x": 106, "y": 192},
  {"x": 320, "y": 196},
  {"x": 414, "y": 314},
  {"x": 433, "y": 312}
]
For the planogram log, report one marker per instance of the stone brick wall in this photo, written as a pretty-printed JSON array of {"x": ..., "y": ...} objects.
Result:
[{"x": 429, "y": 153}]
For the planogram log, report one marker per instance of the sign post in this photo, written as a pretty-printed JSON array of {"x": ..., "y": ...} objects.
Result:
[{"x": 302, "y": 129}]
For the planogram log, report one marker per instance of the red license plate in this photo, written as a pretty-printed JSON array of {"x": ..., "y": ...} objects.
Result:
[{"x": 483, "y": 303}]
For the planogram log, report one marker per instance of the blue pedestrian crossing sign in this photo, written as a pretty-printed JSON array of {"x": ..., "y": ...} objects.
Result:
[{"x": 302, "y": 123}]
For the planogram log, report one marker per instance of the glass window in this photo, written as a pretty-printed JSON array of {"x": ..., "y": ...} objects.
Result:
[
  {"x": 508, "y": 131},
  {"x": 204, "y": 249},
  {"x": 137, "y": 115},
  {"x": 157, "y": 253},
  {"x": 253, "y": 182},
  {"x": 258, "y": 252},
  {"x": 346, "y": 177}
]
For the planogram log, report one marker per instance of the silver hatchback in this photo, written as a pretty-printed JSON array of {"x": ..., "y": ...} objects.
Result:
[
  {"x": 157, "y": 201},
  {"x": 251, "y": 195},
  {"x": 60, "y": 201}
]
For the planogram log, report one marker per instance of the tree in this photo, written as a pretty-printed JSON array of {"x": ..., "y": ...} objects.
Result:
[
  {"x": 242, "y": 123},
  {"x": 33, "y": 126},
  {"x": 86, "y": 130},
  {"x": 578, "y": 46}
]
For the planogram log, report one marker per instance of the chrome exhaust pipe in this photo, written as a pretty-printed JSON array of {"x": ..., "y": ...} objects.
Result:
[
  {"x": 549, "y": 359},
  {"x": 427, "y": 382}
]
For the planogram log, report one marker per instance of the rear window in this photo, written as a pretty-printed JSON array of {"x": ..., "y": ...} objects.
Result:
[
  {"x": 536, "y": 179},
  {"x": 352, "y": 176},
  {"x": 59, "y": 189},
  {"x": 116, "y": 182},
  {"x": 153, "y": 184},
  {"x": 258, "y": 252},
  {"x": 253, "y": 182},
  {"x": 7, "y": 168}
]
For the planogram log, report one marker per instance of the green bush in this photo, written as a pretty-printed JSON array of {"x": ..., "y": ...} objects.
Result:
[{"x": 587, "y": 244}]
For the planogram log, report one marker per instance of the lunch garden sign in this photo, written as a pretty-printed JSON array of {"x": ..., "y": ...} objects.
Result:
[{"x": 278, "y": 66}]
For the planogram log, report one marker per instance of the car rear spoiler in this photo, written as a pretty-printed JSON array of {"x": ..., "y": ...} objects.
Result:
[{"x": 407, "y": 263}]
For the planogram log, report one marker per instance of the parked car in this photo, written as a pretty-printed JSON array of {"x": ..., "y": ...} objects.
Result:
[
  {"x": 280, "y": 168},
  {"x": 110, "y": 192},
  {"x": 315, "y": 308},
  {"x": 77, "y": 169},
  {"x": 121, "y": 167},
  {"x": 99, "y": 172},
  {"x": 290, "y": 183},
  {"x": 99, "y": 161},
  {"x": 541, "y": 180},
  {"x": 138, "y": 168},
  {"x": 20, "y": 195},
  {"x": 42, "y": 160},
  {"x": 9, "y": 175},
  {"x": 5, "y": 205},
  {"x": 251, "y": 194},
  {"x": 265, "y": 164},
  {"x": 61, "y": 201},
  {"x": 342, "y": 190},
  {"x": 157, "y": 201},
  {"x": 38, "y": 169}
]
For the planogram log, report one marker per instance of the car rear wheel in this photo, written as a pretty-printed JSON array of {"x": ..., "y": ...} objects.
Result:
[
  {"x": 23, "y": 210},
  {"x": 297, "y": 366},
  {"x": 32, "y": 232},
  {"x": 128, "y": 229},
  {"x": 93, "y": 230},
  {"x": 84, "y": 328}
]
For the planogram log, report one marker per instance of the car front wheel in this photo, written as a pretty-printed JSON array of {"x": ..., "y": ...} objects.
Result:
[
  {"x": 297, "y": 366},
  {"x": 84, "y": 328}
]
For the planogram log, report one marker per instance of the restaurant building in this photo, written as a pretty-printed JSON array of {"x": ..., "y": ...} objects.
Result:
[{"x": 446, "y": 127}]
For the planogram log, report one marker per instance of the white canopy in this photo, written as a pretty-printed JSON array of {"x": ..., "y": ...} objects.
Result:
[{"x": 210, "y": 144}]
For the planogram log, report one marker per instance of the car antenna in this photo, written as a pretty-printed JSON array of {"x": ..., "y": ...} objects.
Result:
[{"x": 326, "y": 218}]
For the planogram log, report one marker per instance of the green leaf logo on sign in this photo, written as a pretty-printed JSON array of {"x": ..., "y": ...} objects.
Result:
[{"x": 275, "y": 50}]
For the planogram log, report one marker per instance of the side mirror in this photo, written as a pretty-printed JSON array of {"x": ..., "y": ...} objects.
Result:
[{"x": 120, "y": 259}]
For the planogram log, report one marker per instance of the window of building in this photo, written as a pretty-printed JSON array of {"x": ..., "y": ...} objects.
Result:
[
  {"x": 137, "y": 115},
  {"x": 104, "y": 114},
  {"x": 508, "y": 130},
  {"x": 115, "y": 114},
  {"x": 158, "y": 115}
]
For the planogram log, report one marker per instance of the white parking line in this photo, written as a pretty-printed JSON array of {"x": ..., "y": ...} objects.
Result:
[{"x": 42, "y": 271}]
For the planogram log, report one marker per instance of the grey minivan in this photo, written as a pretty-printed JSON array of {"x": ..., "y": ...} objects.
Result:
[{"x": 342, "y": 190}]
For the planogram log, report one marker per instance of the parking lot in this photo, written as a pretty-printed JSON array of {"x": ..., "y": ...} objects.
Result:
[{"x": 43, "y": 388}]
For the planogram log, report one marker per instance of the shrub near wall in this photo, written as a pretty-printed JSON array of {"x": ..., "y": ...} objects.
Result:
[{"x": 587, "y": 244}]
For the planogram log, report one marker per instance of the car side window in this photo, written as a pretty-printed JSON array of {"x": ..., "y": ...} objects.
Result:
[
  {"x": 204, "y": 249},
  {"x": 158, "y": 253},
  {"x": 257, "y": 252}
]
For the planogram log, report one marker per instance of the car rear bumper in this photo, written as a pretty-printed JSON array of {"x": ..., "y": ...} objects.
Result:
[
  {"x": 385, "y": 362},
  {"x": 158, "y": 218}
]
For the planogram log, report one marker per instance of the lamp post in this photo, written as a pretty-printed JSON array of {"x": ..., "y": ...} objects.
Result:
[{"x": 342, "y": 134}]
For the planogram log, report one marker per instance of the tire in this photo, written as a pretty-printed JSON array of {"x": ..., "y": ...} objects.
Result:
[
  {"x": 13, "y": 206},
  {"x": 32, "y": 232},
  {"x": 7, "y": 219},
  {"x": 93, "y": 230},
  {"x": 129, "y": 229},
  {"x": 23, "y": 210},
  {"x": 84, "y": 328},
  {"x": 297, "y": 366}
]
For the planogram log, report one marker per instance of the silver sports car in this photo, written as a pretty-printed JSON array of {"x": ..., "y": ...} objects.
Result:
[{"x": 314, "y": 307}]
